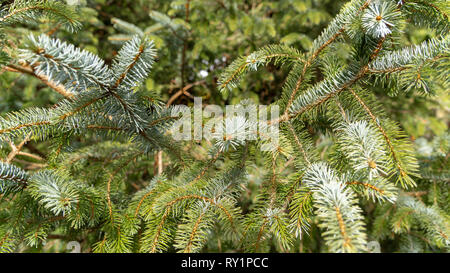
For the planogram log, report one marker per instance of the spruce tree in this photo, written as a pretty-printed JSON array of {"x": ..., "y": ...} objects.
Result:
[{"x": 342, "y": 175}]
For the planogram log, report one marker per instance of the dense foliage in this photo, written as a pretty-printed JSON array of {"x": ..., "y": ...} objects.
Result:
[{"x": 89, "y": 91}]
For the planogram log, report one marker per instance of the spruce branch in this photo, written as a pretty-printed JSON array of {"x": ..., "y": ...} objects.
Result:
[
  {"x": 12, "y": 178},
  {"x": 78, "y": 70},
  {"x": 21, "y": 11},
  {"x": 278, "y": 54},
  {"x": 403, "y": 178},
  {"x": 133, "y": 63},
  {"x": 337, "y": 208},
  {"x": 322, "y": 93}
]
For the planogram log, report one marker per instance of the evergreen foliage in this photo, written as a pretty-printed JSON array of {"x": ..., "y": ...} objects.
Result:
[{"x": 344, "y": 173}]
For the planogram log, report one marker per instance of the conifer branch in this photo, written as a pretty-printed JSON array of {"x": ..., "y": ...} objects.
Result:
[
  {"x": 307, "y": 65},
  {"x": 12, "y": 173},
  {"x": 319, "y": 49},
  {"x": 299, "y": 144},
  {"x": 339, "y": 88},
  {"x": 332, "y": 173},
  {"x": 367, "y": 185},
  {"x": 111, "y": 177},
  {"x": 31, "y": 9}
]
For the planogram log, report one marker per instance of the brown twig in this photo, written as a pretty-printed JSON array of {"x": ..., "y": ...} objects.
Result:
[
  {"x": 15, "y": 150},
  {"x": 183, "y": 91},
  {"x": 158, "y": 166},
  {"x": 30, "y": 71}
]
